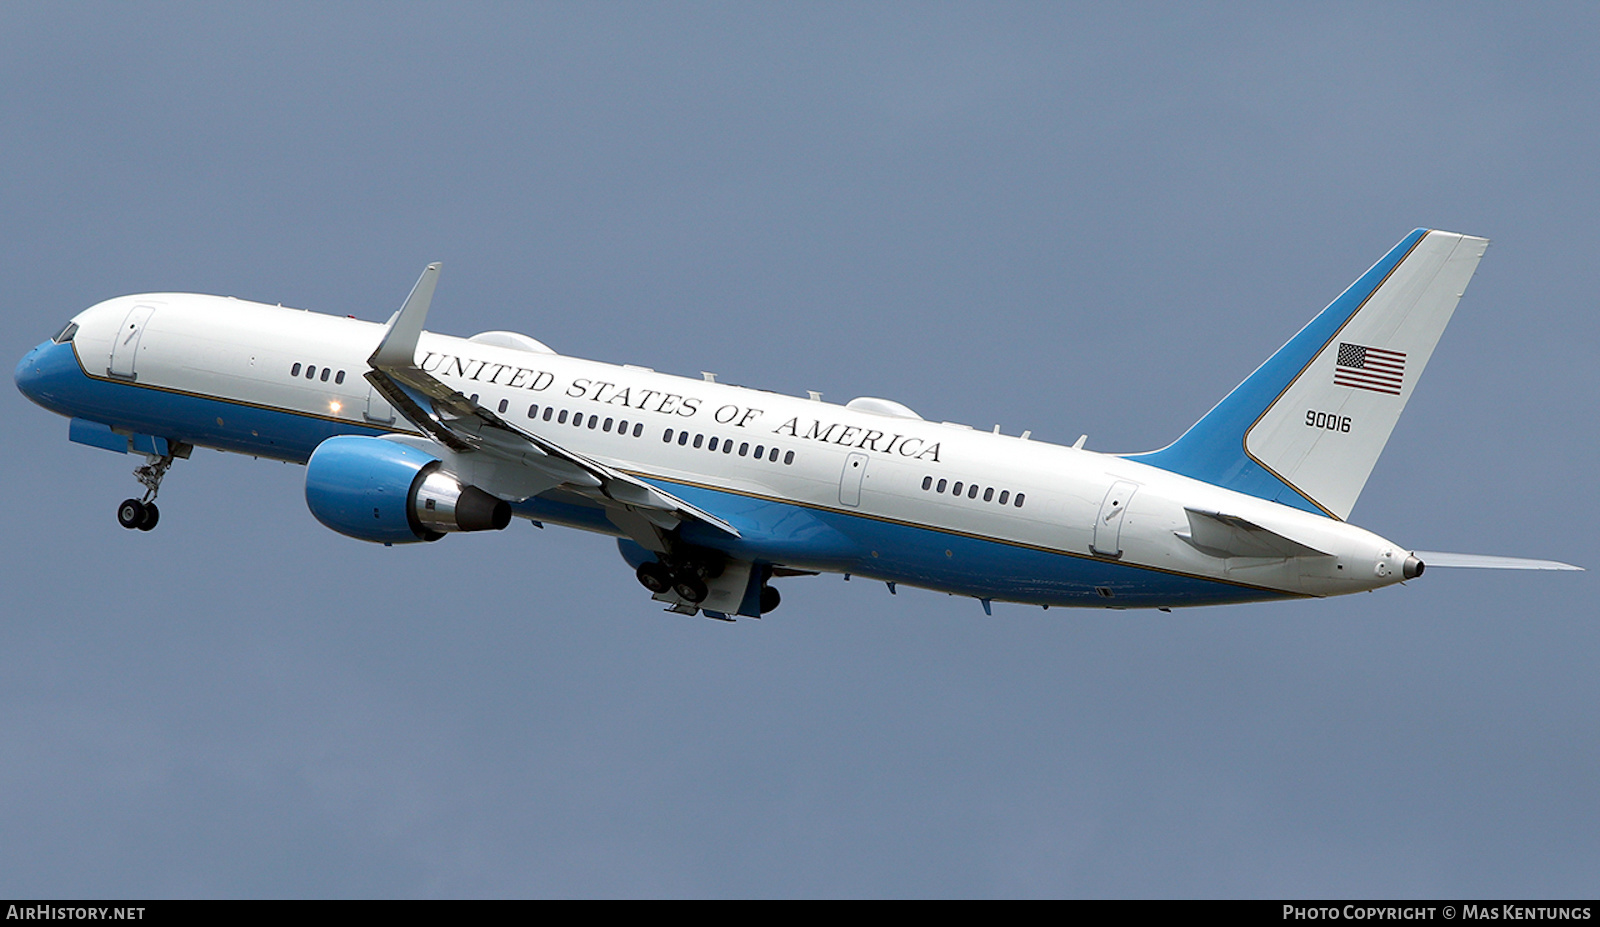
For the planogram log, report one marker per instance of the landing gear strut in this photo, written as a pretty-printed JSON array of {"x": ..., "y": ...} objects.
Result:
[{"x": 142, "y": 513}]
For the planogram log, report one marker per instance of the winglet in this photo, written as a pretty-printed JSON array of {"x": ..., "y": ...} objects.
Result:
[{"x": 399, "y": 345}]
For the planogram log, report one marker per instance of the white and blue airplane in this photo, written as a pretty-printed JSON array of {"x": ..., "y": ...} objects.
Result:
[{"x": 714, "y": 490}]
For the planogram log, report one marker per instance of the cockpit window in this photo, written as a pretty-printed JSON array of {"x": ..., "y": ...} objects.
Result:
[{"x": 66, "y": 333}]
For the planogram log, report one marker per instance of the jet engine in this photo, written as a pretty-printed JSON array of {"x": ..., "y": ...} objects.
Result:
[{"x": 376, "y": 490}]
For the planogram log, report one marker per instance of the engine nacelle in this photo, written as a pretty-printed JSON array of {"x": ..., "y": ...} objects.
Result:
[{"x": 376, "y": 490}]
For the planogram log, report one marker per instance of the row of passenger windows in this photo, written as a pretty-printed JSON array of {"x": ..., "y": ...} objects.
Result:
[
  {"x": 313, "y": 372},
  {"x": 726, "y": 445},
  {"x": 973, "y": 490},
  {"x": 578, "y": 419}
]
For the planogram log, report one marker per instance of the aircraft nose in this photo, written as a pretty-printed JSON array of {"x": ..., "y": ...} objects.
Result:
[
  {"x": 44, "y": 375},
  {"x": 28, "y": 373}
]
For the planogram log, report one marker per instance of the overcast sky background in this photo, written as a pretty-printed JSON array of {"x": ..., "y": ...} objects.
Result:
[{"x": 1066, "y": 218}]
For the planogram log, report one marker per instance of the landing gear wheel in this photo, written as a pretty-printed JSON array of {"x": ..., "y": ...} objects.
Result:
[
  {"x": 131, "y": 513},
  {"x": 769, "y": 599},
  {"x": 654, "y": 576},
  {"x": 691, "y": 589},
  {"x": 151, "y": 516}
]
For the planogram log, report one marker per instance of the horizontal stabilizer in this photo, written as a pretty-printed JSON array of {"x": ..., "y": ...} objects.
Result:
[
  {"x": 1231, "y": 536},
  {"x": 1435, "y": 558}
]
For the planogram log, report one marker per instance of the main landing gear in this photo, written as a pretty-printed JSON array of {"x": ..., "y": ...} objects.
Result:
[
  {"x": 690, "y": 580},
  {"x": 687, "y": 579},
  {"x": 142, "y": 513}
]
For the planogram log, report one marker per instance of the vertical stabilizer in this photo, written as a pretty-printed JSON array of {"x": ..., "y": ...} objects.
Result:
[{"x": 1306, "y": 428}]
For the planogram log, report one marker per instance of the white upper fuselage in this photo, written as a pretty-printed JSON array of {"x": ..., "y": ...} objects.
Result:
[{"x": 865, "y": 466}]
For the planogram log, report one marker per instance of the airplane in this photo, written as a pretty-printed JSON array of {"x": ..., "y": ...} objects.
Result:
[{"x": 714, "y": 490}]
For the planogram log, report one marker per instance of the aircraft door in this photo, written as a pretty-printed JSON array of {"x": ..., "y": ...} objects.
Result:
[
  {"x": 855, "y": 468},
  {"x": 1108, "y": 525},
  {"x": 378, "y": 409},
  {"x": 125, "y": 349}
]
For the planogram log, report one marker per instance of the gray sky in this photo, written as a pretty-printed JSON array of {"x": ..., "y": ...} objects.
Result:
[{"x": 1067, "y": 218}]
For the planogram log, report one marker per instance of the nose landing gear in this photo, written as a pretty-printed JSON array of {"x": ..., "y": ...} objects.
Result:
[
  {"x": 133, "y": 513},
  {"x": 142, "y": 513}
]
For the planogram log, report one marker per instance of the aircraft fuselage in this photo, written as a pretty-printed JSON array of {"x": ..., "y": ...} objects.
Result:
[{"x": 811, "y": 486}]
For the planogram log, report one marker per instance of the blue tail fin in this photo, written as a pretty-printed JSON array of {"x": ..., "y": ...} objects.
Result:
[{"x": 1306, "y": 428}]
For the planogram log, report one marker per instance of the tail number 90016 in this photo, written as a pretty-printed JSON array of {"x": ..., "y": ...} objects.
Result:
[{"x": 1327, "y": 421}]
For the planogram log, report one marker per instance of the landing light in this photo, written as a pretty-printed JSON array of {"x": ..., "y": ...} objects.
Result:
[{"x": 334, "y": 407}]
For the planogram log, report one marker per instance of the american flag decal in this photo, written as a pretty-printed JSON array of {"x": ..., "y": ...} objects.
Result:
[{"x": 1361, "y": 367}]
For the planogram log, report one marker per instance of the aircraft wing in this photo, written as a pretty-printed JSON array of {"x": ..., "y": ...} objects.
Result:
[{"x": 462, "y": 425}]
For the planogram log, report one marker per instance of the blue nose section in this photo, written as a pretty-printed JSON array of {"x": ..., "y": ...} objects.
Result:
[
  {"x": 29, "y": 373},
  {"x": 46, "y": 375}
]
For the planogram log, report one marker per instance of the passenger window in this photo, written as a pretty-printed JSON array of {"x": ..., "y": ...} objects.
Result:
[
  {"x": 562, "y": 418},
  {"x": 338, "y": 377},
  {"x": 311, "y": 372},
  {"x": 927, "y": 483},
  {"x": 699, "y": 440},
  {"x": 712, "y": 444},
  {"x": 988, "y": 494},
  {"x": 594, "y": 420},
  {"x": 548, "y": 411},
  {"x": 956, "y": 489},
  {"x": 941, "y": 486},
  {"x": 325, "y": 372},
  {"x": 667, "y": 438},
  {"x": 683, "y": 438},
  {"x": 788, "y": 458},
  {"x": 607, "y": 426},
  {"x": 744, "y": 448},
  {"x": 1020, "y": 497},
  {"x": 577, "y": 419},
  {"x": 727, "y": 447},
  {"x": 504, "y": 403},
  {"x": 294, "y": 371},
  {"x": 972, "y": 491},
  {"x": 533, "y": 411},
  {"x": 638, "y": 429},
  {"x": 772, "y": 455},
  {"x": 1005, "y": 495}
]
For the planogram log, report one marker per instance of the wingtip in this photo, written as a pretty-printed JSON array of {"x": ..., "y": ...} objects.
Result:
[{"x": 398, "y": 347}]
